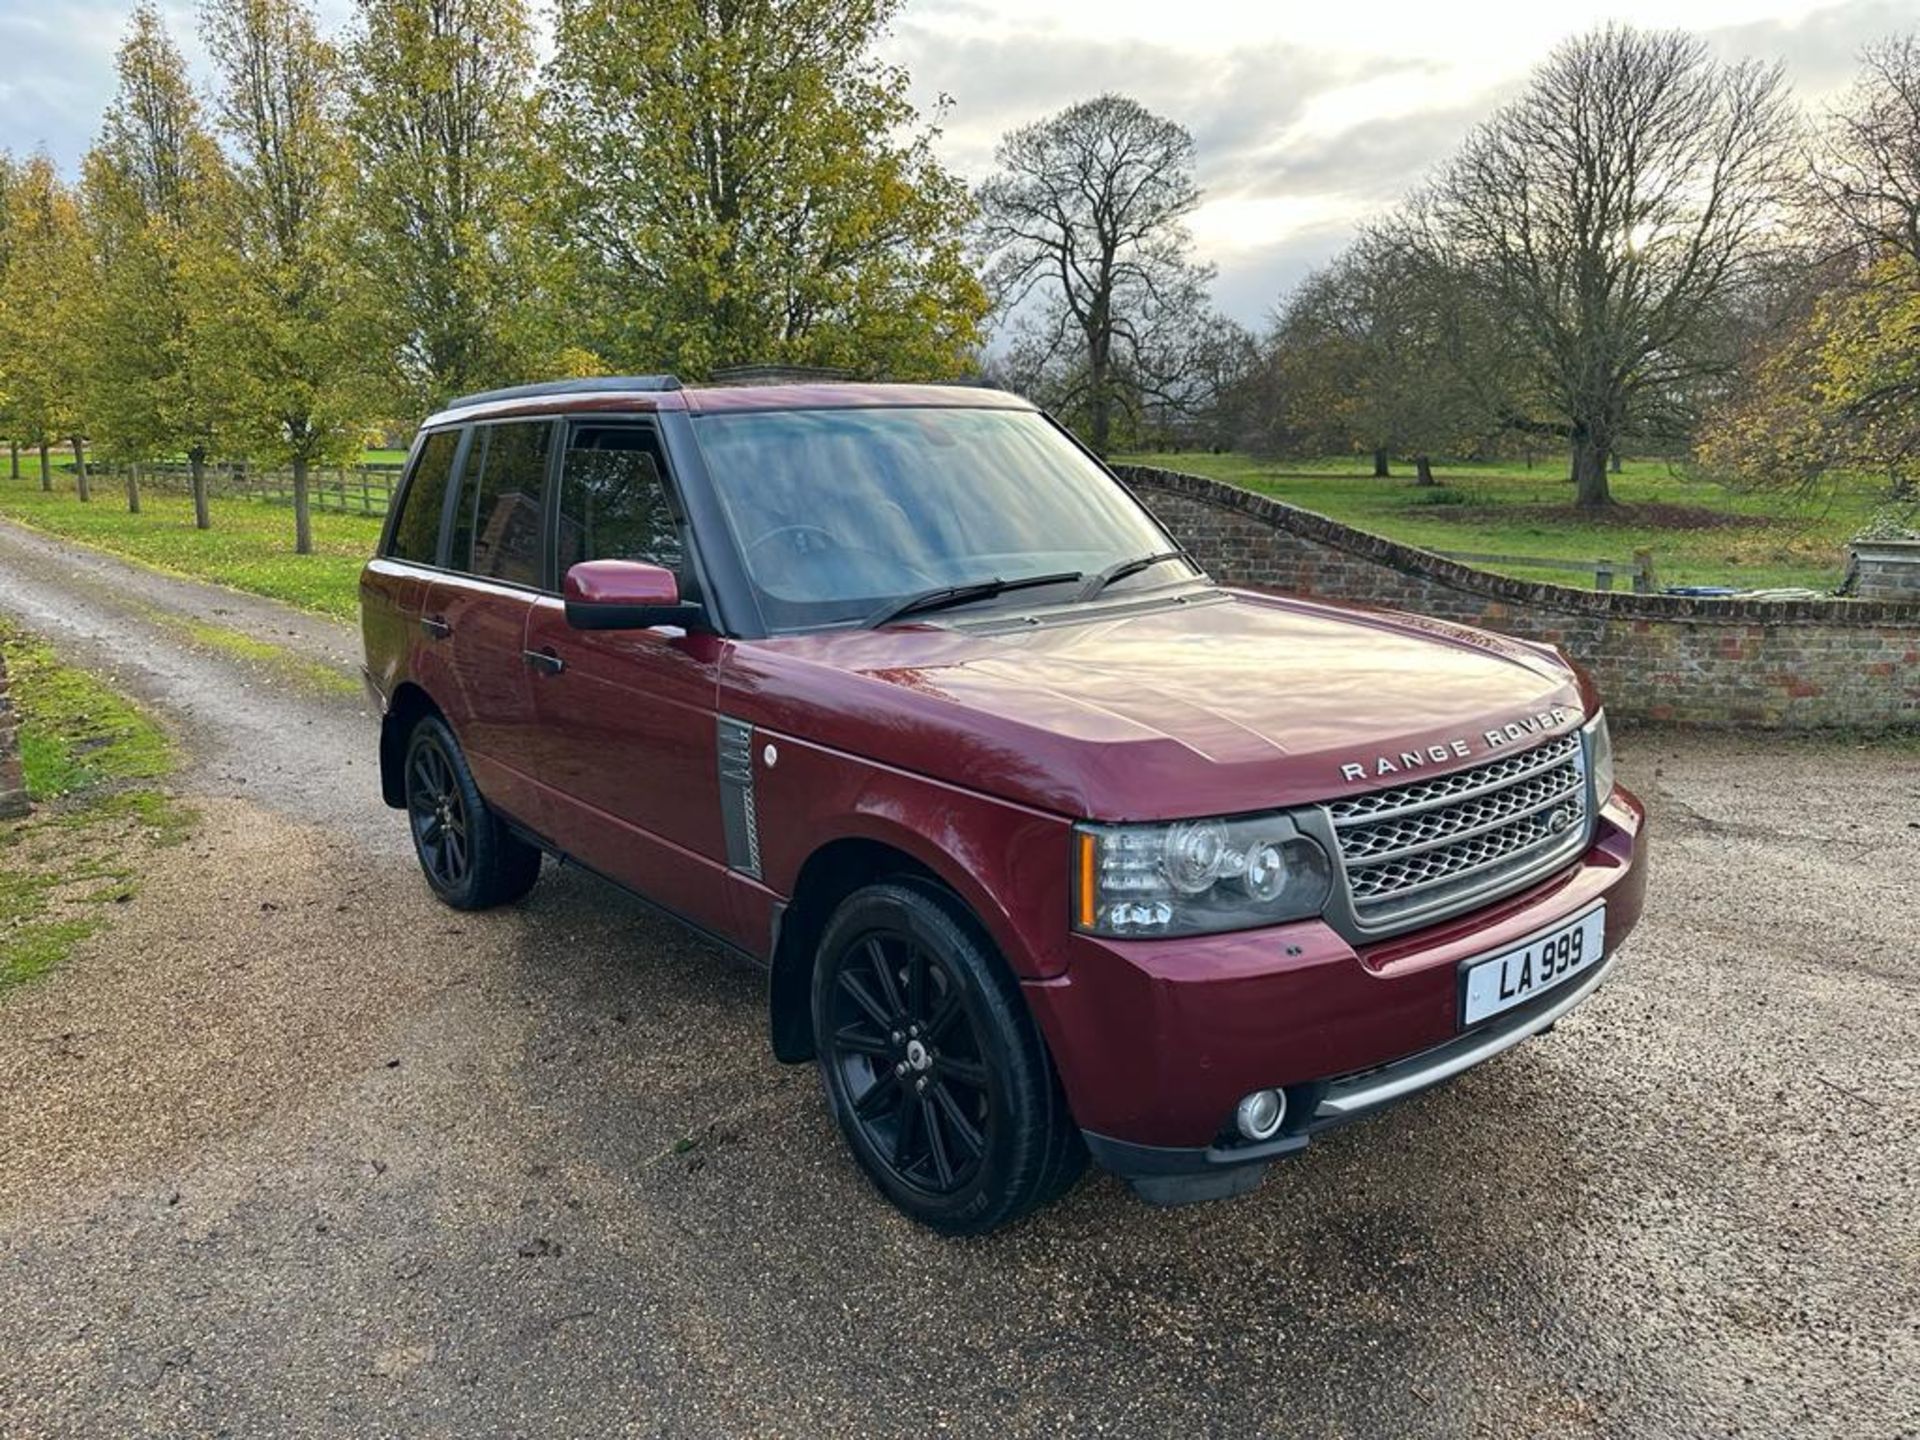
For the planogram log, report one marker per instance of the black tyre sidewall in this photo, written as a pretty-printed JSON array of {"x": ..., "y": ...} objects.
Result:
[{"x": 1026, "y": 1109}]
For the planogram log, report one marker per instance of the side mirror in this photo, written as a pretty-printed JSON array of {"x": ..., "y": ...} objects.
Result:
[{"x": 624, "y": 595}]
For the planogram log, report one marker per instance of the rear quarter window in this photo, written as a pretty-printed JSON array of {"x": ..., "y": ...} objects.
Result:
[
  {"x": 497, "y": 520},
  {"x": 416, "y": 529}
]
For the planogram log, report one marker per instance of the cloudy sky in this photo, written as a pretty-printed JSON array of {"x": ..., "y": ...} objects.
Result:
[{"x": 1307, "y": 116}]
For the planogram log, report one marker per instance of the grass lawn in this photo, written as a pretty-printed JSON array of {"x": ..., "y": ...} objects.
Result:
[
  {"x": 250, "y": 546},
  {"x": 1700, "y": 533},
  {"x": 91, "y": 759}
]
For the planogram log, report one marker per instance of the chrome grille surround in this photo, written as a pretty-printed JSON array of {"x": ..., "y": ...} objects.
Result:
[{"x": 1431, "y": 848}]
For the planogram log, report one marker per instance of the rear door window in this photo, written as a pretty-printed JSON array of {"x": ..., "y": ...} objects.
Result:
[
  {"x": 416, "y": 529},
  {"x": 496, "y": 526},
  {"x": 613, "y": 499}
]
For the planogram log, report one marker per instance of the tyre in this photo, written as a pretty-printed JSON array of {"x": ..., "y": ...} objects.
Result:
[
  {"x": 469, "y": 857},
  {"x": 933, "y": 1067}
]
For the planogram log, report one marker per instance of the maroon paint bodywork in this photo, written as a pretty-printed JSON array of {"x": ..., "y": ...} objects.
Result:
[{"x": 973, "y": 749}]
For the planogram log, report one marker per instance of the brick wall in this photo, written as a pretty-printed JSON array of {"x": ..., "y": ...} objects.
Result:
[
  {"x": 13, "y": 789},
  {"x": 1782, "y": 664}
]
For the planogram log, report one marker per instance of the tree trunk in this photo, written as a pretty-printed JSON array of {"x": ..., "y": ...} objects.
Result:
[
  {"x": 80, "y": 467},
  {"x": 302, "y": 517},
  {"x": 197, "y": 463},
  {"x": 1380, "y": 468},
  {"x": 1613, "y": 463},
  {"x": 133, "y": 489},
  {"x": 1590, "y": 471},
  {"x": 1099, "y": 412},
  {"x": 14, "y": 445},
  {"x": 46, "y": 468},
  {"x": 1423, "y": 470}
]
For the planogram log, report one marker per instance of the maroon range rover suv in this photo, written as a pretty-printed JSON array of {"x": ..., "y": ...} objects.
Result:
[{"x": 1049, "y": 844}]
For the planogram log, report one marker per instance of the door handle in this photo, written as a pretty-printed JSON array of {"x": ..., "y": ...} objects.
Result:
[
  {"x": 435, "y": 626},
  {"x": 545, "y": 660}
]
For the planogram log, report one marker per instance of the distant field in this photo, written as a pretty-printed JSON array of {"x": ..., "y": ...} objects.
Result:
[
  {"x": 1700, "y": 533},
  {"x": 250, "y": 546}
]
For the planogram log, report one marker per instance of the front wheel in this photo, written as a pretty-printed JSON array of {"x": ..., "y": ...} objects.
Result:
[
  {"x": 468, "y": 855},
  {"x": 933, "y": 1066}
]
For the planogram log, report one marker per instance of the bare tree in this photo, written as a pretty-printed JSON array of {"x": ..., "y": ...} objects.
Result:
[
  {"x": 1086, "y": 216},
  {"x": 1865, "y": 172},
  {"x": 1613, "y": 214}
]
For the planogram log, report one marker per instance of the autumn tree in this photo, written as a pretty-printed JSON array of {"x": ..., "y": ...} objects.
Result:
[
  {"x": 152, "y": 188},
  {"x": 1612, "y": 215},
  {"x": 292, "y": 321},
  {"x": 46, "y": 282},
  {"x": 744, "y": 181},
  {"x": 447, "y": 182},
  {"x": 1083, "y": 230},
  {"x": 9, "y": 198},
  {"x": 1386, "y": 350}
]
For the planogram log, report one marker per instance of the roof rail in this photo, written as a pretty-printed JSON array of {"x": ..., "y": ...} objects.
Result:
[{"x": 590, "y": 385}]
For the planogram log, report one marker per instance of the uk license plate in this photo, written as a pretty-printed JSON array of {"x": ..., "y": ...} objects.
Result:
[{"x": 1527, "y": 971}]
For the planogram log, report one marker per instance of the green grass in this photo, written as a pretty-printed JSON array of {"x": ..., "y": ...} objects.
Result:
[
  {"x": 1699, "y": 532},
  {"x": 250, "y": 546},
  {"x": 303, "y": 671},
  {"x": 76, "y": 732},
  {"x": 90, "y": 757}
]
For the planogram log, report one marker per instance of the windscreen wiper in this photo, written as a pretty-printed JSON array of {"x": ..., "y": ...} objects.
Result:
[
  {"x": 1124, "y": 568},
  {"x": 940, "y": 597}
]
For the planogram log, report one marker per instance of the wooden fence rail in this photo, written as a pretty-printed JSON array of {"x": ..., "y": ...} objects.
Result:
[{"x": 350, "y": 489}]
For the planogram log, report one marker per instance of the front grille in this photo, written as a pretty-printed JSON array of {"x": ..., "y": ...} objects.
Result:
[{"x": 1439, "y": 846}]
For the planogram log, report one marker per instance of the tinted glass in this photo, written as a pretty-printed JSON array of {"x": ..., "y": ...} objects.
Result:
[
  {"x": 840, "y": 512},
  {"x": 496, "y": 527},
  {"x": 416, "y": 533},
  {"x": 613, "y": 501}
]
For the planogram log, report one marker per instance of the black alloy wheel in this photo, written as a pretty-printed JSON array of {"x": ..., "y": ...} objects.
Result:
[
  {"x": 469, "y": 856},
  {"x": 438, "y": 813},
  {"x": 910, "y": 1060},
  {"x": 933, "y": 1065}
]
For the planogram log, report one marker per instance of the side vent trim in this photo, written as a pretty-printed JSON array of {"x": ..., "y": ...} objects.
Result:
[{"x": 737, "y": 816}]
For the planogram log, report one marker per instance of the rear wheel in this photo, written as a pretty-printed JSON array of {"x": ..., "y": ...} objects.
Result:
[
  {"x": 933, "y": 1066},
  {"x": 470, "y": 858}
]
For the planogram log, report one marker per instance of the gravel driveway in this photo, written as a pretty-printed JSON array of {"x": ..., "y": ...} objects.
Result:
[{"x": 291, "y": 1150}]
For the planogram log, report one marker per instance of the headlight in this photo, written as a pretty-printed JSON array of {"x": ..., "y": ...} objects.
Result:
[
  {"x": 1195, "y": 877},
  {"x": 1599, "y": 757}
]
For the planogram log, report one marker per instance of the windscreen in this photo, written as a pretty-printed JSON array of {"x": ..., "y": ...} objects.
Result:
[{"x": 839, "y": 513}]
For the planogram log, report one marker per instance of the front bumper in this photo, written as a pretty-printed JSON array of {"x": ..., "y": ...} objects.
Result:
[{"x": 1156, "y": 1041}]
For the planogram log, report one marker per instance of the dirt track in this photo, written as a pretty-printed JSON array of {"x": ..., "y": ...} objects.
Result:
[{"x": 292, "y": 1150}]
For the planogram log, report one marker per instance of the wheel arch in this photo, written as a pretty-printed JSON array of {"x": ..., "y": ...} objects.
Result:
[
  {"x": 833, "y": 871},
  {"x": 405, "y": 709}
]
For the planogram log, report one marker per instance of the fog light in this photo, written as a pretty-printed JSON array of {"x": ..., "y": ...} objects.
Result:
[{"x": 1260, "y": 1114}]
